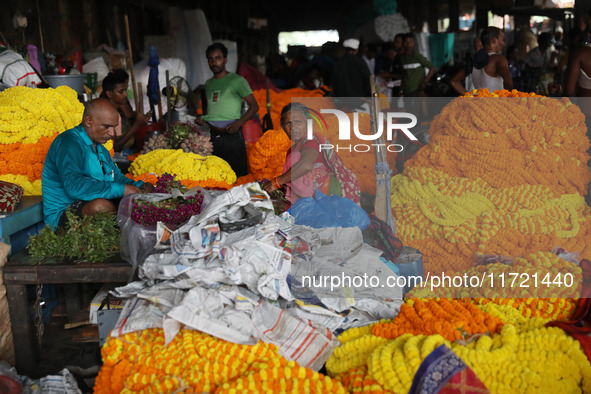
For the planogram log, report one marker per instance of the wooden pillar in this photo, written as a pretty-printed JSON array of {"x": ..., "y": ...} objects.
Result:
[
  {"x": 454, "y": 15},
  {"x": 65, "y": 27},
  {"x": 481, "y": 17},
  {"x": 433, "y": 16},
  {"x": 90, "y": 24}
]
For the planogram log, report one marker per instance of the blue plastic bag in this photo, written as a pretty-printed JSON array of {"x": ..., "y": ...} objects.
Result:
[{"x": 329, "y": 211}]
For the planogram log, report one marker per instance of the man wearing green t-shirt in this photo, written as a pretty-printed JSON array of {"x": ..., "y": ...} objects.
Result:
[
  {"x": 225, "y": 92},
  {"x": 413, "y": 69}
]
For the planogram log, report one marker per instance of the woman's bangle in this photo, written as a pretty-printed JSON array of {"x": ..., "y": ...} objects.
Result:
[{"x": 276, "y": 183}]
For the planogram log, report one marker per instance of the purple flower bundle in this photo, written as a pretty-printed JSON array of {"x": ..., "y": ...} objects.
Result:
[
  {"x": 174, "y": 211},
  {"x": 167, "y": 182}
]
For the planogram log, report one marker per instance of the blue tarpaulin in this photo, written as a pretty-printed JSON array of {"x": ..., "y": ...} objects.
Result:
[{"x": 153, "y": 85}]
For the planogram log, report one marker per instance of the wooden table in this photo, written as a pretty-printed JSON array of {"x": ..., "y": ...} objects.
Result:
[{"x": 23, "y": 269}]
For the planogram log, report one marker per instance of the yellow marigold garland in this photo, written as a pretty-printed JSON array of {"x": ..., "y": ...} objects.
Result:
[
  {"x": 449, "y": 218},
  {"x": 30, "y": 119},
  {"x": 450, "y": 318},
  {"x": 28, "y": 114},
  {"x": 30, "y": 188},
  {"x": 185, "y": 165},
  {"x": 520, "y": 359}
]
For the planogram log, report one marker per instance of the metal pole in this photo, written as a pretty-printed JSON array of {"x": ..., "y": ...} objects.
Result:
[
  {"x": 382, "y": 206},
  {"x": 168, "y": 109},
  {"x": 131, "y": 64}
]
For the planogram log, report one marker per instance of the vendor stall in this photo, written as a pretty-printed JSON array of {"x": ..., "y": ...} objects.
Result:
[{"x": 232, "y": 293}]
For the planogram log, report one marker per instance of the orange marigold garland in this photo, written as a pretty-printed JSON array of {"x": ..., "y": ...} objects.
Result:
[
  {"x": 451, "y": 318},
  {"x": 207, "y": 184},
  {"x": 357, "y": 380},
  {"x": 511, "y": 141},
  {"x": 266, "y": 157},
  {"x": 194, "y": 361}
]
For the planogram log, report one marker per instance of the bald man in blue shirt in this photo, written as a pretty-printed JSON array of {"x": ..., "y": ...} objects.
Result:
[{"x": 79, "y": 173}]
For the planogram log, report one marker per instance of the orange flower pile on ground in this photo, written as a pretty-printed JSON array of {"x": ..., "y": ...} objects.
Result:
[
  {"x": 451, "y": 318},
  {"x": 207, "y": 184},
  {"x": 196, "y": 362},
  {"x": 266, "y": 157}
]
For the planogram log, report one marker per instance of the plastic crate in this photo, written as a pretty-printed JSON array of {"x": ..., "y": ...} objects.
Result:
[{"x": 26, "y": 220}]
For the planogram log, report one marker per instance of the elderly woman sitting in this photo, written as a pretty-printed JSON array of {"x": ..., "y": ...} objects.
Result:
[{"x": 307, "y": 167}]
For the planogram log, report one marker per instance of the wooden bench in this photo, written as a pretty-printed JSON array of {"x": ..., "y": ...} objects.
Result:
[
  {"x": 23, "y": 269},
  {"x": 24, "y": 221}
]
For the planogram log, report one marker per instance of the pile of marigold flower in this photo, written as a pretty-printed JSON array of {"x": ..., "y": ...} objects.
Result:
[
  {"x": 197, "y": 362},
  {"x": 510, "y": 141},
  {"x": 266, "y": 157},
  {"x": 450, "y": 218},
  {"x": 501, "y": 176},
  {"x": 508, "y": 351},
  {"x": 30, "y": 119},
  {"x": 196, "y": 170}
]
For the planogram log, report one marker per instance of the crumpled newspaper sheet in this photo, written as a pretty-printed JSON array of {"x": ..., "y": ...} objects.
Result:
[{"x": 244, "y": 286}]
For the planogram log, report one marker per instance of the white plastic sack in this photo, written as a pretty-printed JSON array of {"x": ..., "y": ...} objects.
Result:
[
  {"x": 16, "y": 71},
  {"x": 190, "y": 31},
  {"x": 98, "y": 66}
]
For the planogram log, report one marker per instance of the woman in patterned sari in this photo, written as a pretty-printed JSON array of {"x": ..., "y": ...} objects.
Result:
[{"x": 307, "y": 167}]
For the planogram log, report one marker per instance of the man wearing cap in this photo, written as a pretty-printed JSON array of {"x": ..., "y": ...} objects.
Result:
[{"x": 351, "y": 75}]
